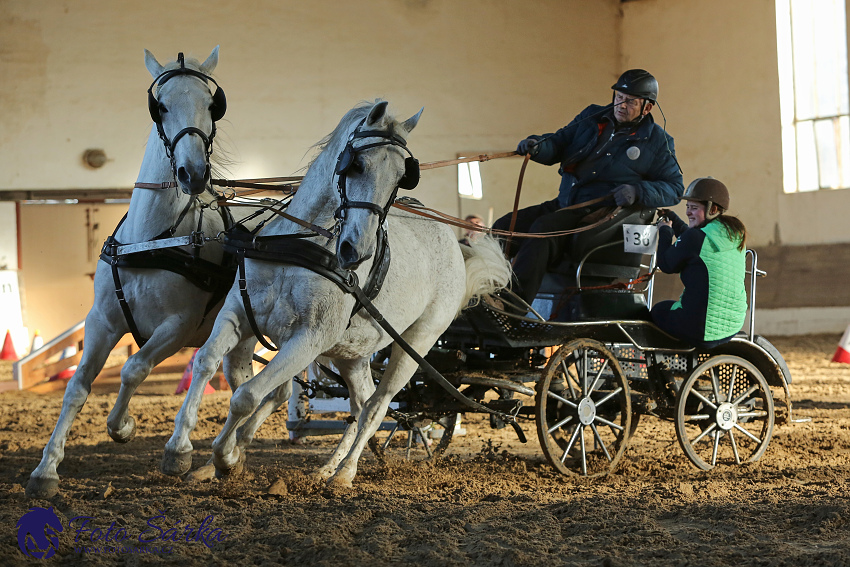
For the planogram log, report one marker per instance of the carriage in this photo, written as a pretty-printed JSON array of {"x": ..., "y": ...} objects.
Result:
[{"x": 594, "y": 364}]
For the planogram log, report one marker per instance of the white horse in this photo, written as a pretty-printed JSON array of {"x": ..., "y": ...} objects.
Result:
[
  {"x": 430, "y": 279},
  {"x": 169, "y": 311}
]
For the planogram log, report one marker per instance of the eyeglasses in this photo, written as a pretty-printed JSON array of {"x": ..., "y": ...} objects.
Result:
[{"x": 623, "y": 100}]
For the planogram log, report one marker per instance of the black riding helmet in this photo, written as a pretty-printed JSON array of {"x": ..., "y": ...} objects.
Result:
[{"x": 638, "y": 83}]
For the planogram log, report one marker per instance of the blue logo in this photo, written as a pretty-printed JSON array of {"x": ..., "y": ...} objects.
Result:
[{"x": 33, "y": 538}]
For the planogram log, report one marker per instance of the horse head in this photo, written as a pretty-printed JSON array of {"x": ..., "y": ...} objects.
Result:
[
  {"x": 185, "y": 108},
  {"x": 370, "y": 169}
]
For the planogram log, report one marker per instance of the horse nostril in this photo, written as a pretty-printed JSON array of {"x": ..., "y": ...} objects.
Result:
[
  {"x": 183, "y": 176},
  {"x": 347, "y": 255}
]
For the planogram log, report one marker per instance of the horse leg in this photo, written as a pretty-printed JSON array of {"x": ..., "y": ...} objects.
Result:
[
  {"x": 238, "y": 370},
  {"x": 99, "y": 342},
  {"x": 225, "y": 337},
  {"x": 358, "y": 377},
  {"x": 167, "y": 339},
  {"x": 293, "y": 357},
  {"x": 399, "y": 370}
]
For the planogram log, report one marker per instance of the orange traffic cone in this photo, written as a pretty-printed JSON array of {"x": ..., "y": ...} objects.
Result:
[
  {"x": 9, "y": 352},
  {"x": 842, "y": 353},
  {"x": 186, "y": 380}
]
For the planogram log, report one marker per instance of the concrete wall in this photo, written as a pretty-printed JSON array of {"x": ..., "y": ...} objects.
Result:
[
  {"x": 487, "y": 73},
  {"x": 716, "y": 61}
]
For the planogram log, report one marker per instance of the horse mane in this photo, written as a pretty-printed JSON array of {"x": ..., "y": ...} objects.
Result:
[{"x": 340, "y": 133}]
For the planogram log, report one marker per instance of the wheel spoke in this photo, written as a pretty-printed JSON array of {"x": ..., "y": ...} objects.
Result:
[
  {"x": 697, "y": 417},
  {"x": 583, "y": 453},
  {"x": 708, "y": 430},
  {"x": 609, "y": 396},
  {"x": 424, "y": 442},
  {"x": 609, "y": 423},
  {"x": 601, "y": 442},
  {"x": 584, "y": 373},
  {"x": 567, "y": 377},
  {"x": 572, "y": 442},
  {"x": 560, "y": 424},
  {"x": 715, "y": 385},
  {"x": 716, "y": 446},
  {"x": 747, "y": 433},
  {"x": 734, "y": 447},
  {"x": 552, "y": 394},
  {"x": 732, "y": 381},
  {"x": 746, "y": 394},
  {"x": 705, "y": 400},
  {"x": 598, "y": 376},
  {"x": 754, "y": 413}
]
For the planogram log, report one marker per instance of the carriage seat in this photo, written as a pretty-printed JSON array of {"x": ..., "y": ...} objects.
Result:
[{"x": 596, "y": 258}]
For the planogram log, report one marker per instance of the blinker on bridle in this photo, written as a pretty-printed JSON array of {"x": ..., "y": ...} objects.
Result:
[
  {"x": 217, "y": 110},
  {"x": 345, "y": 160}
]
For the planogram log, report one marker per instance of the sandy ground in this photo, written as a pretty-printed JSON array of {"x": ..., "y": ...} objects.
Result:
[{"x": 492, "y": 501}]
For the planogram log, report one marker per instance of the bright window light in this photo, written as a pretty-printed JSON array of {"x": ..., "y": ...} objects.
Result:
[
  {"x": 469, "y": 180},
  {"x": 813, "y": 94}
]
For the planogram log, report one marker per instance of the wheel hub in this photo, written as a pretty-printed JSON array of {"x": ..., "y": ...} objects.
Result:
[
  {"x": 586, "y": 411},
  {"x": 727, "y": 416}
]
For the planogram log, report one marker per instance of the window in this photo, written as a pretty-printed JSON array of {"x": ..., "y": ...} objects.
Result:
[
  {"x": 469, "y": 180},
  {"x": 813, "y": 94}
]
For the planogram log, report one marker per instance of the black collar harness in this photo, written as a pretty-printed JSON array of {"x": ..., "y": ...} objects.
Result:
[{"x": 162, "y": 253}]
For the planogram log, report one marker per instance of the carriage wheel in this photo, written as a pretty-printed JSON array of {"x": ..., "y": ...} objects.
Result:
[
  {"x": 412, "y": 445},
  {"x": 724, "y": 413},
  {"x": 584, "y": 409}
]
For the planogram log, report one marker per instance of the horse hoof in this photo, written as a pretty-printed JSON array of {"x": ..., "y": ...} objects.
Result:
[
  {"x": 123, "y": 435},
  {"x": 338, "y": 482},
  {"x": 202, "y": 474},
  {"x": 42, "y": 487},
  {"x": 233, "y": 471},
  {"x": 176, "y": 464}
]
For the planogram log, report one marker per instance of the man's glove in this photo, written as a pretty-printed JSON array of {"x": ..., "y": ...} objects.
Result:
[
  {"x": 528, "y": 146},
  {"x": 625, "y": 195}
]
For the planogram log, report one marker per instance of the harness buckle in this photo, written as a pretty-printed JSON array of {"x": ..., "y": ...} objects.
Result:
[
  {"x": 243, "y": 284},
  {"x": 197, "y": 238},
  {"x": 110, "y": 247}
]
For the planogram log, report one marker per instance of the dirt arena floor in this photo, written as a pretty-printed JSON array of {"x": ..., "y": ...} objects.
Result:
[{"x": 492, "y": 501}]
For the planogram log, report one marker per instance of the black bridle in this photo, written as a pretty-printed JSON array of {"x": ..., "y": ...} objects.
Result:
[
  {"x": 346, "y": 158},
  {"x": 217, "y": 110}
]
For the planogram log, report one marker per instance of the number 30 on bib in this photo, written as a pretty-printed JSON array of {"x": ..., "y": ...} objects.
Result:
[{"x": 640, "y": 238}]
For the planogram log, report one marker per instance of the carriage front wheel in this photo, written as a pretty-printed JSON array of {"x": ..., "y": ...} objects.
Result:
[
  {"x": 584, "y": 409},
  {"x": 724, "y": 413}
]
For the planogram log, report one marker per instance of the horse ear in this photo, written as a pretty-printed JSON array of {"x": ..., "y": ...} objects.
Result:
[
  {"x": 154, "y": 68},
  {"x": 411, "y": 122},
  {"x": 209, "y": 65},
  {"x": 378, "y": 112}
]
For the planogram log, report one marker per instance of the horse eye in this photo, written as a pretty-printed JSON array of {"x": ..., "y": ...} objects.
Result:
[
  {"x": 357, "y": 166},
  {"x": 162, "y": 109}
]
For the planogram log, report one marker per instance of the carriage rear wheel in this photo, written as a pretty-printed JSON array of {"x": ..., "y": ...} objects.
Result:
[
  {"x": 417, "y": 444},
  {"x": 584, "y": 409},
  {"x": 724, "y": 413}
]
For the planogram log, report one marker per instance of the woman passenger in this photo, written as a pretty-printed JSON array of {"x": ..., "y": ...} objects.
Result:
[{"x": 709, "y": 256}]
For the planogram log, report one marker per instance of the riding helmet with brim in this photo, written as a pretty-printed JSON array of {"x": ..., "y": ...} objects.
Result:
[
  {"x": 708, "y": 190},
  {"x": 638, "y": 83}
]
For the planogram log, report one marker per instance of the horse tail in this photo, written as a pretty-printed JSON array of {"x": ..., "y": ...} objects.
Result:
[{"x": 487, "y": 270}]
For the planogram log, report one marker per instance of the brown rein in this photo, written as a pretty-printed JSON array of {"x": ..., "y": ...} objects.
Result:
[{"x": 289, "y": 185}]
